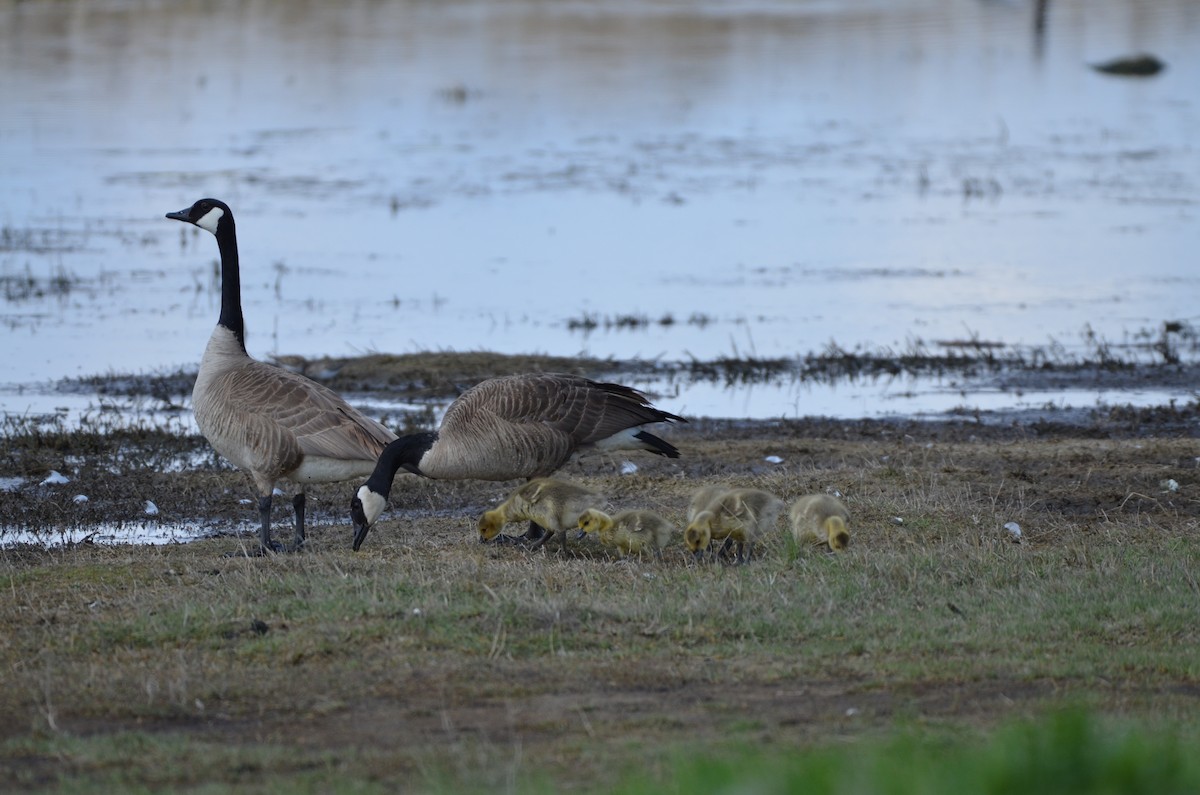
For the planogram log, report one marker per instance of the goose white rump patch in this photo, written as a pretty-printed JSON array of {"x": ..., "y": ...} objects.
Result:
[{"x": 623, "y": 440}]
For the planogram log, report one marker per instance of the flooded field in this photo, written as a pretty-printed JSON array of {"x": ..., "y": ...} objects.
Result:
[{"x": 664, "y": 181}]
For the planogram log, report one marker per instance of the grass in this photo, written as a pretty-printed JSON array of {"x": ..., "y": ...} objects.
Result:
[
  {"x": 1069, "y": 751},
  {"x": 934, "y": 654}
]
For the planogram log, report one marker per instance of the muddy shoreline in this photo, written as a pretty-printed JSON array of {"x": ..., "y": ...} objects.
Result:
[{"x": 114, "y": 467}]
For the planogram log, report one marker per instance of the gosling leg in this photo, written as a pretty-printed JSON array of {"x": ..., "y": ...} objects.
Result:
[{"x": 536, "y": 545}]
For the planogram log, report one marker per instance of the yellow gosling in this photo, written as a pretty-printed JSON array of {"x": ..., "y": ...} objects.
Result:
[
  {"x": 820, "y": 519},
  {"x": 631, "y": 532},
  {"x": 554, "y": 505},
  {"x": 703, "y": 497},
  {"x": 698, "y": 536},
  {"x": 740, "y": 516}
]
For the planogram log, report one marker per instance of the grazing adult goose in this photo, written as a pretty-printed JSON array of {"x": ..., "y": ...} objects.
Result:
[
  {"x": 820, "y": 519},
  {"x": 270, "y": 422},
  {"x": 517, "y": 426}
]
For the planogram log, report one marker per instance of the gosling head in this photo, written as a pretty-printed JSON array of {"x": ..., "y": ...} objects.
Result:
[
  {"x": 698, "y": 534},
  {"x": 837, "y": 533},
  {"x": 490, "y": 524},
  {"x": 208, "y": 214},
  {"x": 365, "y": 508},
  {"x": 594, "y": 521}
]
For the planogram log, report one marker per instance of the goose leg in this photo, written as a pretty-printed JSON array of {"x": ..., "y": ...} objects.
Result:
[
  {"x": 264, "y": 531},
  {"x": 534, "y": 534},
  {"x": 538, "y": 544},
  {"x": 298, "y": 506}
]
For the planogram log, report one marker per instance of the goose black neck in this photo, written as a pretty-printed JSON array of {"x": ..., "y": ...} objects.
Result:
[
  {"x": 231, "y": 280},
  {"x": 404, "y": 453}
]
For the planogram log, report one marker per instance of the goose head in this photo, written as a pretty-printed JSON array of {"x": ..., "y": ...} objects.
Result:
[
  {"x": 491, "y": 523},
  {"x": 698, "y": 535},
  {"x": 365, "y": 507},
  {"x": 206, "y": 214},
  {"x": 371, "y": 498},
  {"x": 837, "y": 533},
  {"x": 593, "y": 521}
]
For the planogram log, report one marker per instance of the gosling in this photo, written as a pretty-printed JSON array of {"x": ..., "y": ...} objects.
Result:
[
  {"x": 555, "y": 505},
  {"x": 703, "y": 497},
  {"x": 631, "y": 532},
  {"x": 820, "y": 519},
  {"x": 740, "y": 516}
]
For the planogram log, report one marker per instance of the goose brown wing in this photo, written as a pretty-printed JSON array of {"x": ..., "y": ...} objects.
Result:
[
  {"x": 321, "y": 422},
  {"x": 529, "y": 425},
  {"x": 585, "y": 411}
]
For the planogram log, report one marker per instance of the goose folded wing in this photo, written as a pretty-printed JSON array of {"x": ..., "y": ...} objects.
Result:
[{"x": 322, "y": 423}]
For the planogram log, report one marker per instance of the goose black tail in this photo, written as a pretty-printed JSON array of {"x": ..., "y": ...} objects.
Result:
[{"x": 656, "y": 445}]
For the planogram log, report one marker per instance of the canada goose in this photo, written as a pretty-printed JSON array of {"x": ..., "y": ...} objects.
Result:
[
  {"x": 632, "y": 532},
  {"x": 517, "y": 426},
  {"x": 820, "y": 519},
  {"x": 553, "y": 504},
  {"x": 271, "y": 422},
  {"x": 742, "y": 516}
]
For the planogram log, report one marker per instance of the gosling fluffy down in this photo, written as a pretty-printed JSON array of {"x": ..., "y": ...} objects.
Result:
[
  {"x": 820, "y": 519},
  {"x": 703, "y": 497},
  {"x": 631, "y": 532},
  {"x": 742, "y": 516},
  {"x": 555, "y": 505}
]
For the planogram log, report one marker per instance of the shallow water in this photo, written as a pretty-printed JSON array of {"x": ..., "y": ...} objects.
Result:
[
  {"x": 109, "y": 533},
  {"x": 772, "y": 176}
]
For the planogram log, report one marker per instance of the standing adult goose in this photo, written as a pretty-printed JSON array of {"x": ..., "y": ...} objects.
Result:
[
  {"x": 270, "y": 422},
  {"x": 517, "y": 426}
]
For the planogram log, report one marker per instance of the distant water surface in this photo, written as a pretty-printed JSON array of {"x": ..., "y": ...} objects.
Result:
[{"x": 767, "y": 177}]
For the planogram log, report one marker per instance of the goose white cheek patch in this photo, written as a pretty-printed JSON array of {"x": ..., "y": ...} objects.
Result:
[
  {"x": 210, "y": 219},
  {"x": 372, "y": 504}
]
